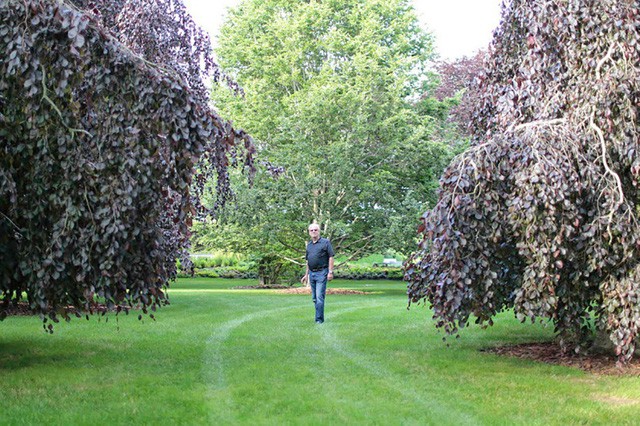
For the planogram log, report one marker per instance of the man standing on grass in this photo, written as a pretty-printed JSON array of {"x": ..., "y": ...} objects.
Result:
[{"x": 319, "y": 268}]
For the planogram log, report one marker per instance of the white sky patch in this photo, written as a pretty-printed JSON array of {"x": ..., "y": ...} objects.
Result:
[{"x": 461, "y": 27}]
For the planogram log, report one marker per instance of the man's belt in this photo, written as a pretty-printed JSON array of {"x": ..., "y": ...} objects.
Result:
[{"x": 318, "y": 269}]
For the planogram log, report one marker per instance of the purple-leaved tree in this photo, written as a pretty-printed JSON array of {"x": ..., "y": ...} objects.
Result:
[
  {"x": 541, "y": 213},
  {"x": 106, "y": 140}
]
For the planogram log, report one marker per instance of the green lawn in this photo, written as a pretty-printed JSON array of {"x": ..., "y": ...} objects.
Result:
[{"x": 224, "y": 356}]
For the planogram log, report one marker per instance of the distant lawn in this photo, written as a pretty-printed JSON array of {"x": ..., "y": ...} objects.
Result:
[
  {"x": 224, "y": 356},
  {"x": 366, "y": 261}
]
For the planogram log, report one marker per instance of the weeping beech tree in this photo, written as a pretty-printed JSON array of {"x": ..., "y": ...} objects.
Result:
[
  {"x": 541, "y": 213},
  {"x": 104, "y": 121}
]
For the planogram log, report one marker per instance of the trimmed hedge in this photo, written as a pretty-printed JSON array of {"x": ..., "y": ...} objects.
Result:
[
  {"x": 238, "y": 271},
  {"x": 346, "y": 273},
  {"x": 368, "y": 273}
]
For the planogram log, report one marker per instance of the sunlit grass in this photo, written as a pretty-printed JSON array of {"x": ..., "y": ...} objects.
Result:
[{"x": 218, "y": 355}]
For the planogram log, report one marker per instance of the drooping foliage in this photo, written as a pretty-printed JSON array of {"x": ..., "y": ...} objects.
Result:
[
  {"x": 458, "y": 81},
  {"x": 103, "y": 120},
  {"x": 541, "y": 214}
]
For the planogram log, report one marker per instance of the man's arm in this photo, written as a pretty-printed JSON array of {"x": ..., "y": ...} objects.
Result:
[
  {"x": 331, "y": 253},
  {"x": 305, "y": 278},
  {"x": 330, "y": 276}
]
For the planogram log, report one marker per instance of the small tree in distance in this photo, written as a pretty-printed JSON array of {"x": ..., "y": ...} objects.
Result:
[{"x": 541, "y": 214}]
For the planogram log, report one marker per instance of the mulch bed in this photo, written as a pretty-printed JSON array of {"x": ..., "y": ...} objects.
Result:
[
  {"x": 299, "y": 290},
  {"x": 21, "y": 309},
  {"x": 261, "y": 287},
  {"x": 551, "y": 353},
  {"x": 307, "y": 290}
]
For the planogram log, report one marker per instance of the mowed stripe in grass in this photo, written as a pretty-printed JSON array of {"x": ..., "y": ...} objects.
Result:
[{"x": 223, "y": 356}]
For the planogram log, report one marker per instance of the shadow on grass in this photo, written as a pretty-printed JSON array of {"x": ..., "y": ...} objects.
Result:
[{"x": 44, "y": 352}]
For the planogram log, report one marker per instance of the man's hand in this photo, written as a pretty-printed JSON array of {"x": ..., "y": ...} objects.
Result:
[
  {"x": 304, "y": 279},
  {"x": 330, "y": 275}
]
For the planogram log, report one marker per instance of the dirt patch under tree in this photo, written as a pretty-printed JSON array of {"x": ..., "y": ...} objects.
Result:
[{"x": 551, "y": 353}]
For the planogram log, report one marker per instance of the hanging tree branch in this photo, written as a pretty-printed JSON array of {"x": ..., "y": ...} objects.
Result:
[{"x": 540, "y": 215}]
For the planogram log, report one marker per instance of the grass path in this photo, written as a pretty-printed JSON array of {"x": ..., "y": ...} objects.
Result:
[
  {"x": 214, "y": 362},
  {"x": 439, "y": 408},
  {"x": 222, "y": 356}
]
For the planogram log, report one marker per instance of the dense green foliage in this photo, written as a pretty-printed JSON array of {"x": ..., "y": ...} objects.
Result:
[
  {"x": 541, "y": 214},
  {"x": 221, "y": 356},
  {"x": 101, "y": 128},
  {"x": 332, "y": 92}
]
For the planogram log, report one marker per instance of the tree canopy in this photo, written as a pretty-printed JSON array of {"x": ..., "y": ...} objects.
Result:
[
  {"x": 541, "y": 214},
  {"x": 103, "y": 120},
  {"x": 331, "y": 92},
  {"x": 458, "y": 82}
]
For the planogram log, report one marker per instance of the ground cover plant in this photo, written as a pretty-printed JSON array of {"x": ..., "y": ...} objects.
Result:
[{"x": 218, "y": 355}]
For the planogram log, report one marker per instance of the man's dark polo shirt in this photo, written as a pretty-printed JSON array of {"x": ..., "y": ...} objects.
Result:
[{"x": 318, "y": 254}]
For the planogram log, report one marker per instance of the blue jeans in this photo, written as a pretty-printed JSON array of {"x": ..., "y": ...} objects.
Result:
[{"x": 318, "y": 282}]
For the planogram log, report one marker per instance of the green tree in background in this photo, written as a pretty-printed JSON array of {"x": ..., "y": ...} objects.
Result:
[{"x": 331, "y": 94}]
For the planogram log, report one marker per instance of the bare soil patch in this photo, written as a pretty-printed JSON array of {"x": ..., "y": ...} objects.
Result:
[
  {"x": 299, "y": 290},
  {"x": 551, "y": 353},
  {"x": 306, "y": 290},
  {"x": 617, "y": 401},
  {"x": 261, "y": 287}
]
